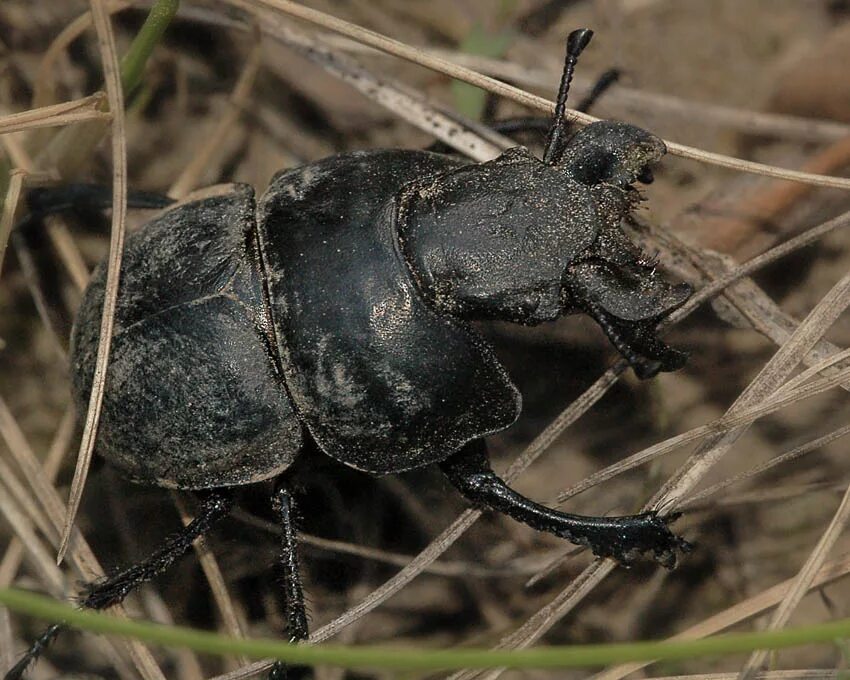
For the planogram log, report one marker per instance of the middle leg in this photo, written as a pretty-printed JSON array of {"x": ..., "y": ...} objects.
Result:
[{"x": 296, "y": 611}]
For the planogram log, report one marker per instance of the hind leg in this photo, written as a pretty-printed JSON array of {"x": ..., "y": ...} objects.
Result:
[
  {"x": 112, "y": 590},
  {"x": 52, "y": 200}
]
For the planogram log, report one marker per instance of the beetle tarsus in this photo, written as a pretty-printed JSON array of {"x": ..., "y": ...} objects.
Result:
[
  {"x": 112, "y": 590},
  {"x": 42, "y": 641},
  {"x": 296, "y": 612},
  {"x": 623, "y": 539}
]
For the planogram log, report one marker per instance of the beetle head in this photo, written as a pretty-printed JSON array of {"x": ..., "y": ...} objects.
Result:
[
  {"x": 527, "y": 240},
  {"x": 519, "y": 240},
  {"x": 612, "y": 280}
]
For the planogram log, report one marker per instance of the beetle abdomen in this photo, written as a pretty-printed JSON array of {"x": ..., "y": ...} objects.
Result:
[
  {"x": 383, "y": 382},
  {"x": 193, "y": 399}
]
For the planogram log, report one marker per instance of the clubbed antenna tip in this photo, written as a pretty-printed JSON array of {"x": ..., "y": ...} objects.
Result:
[{"x": 576, "y": 42}]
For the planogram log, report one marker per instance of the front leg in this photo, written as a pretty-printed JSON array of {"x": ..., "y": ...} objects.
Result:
[{"x": 621, "y": 538}]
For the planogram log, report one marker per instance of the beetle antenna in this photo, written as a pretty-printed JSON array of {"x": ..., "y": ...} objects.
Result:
[{"x": 576, "y": 42}]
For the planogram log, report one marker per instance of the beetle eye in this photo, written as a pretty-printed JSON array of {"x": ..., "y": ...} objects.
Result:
[
  {"x": 595, "y": 167},
  {"x": 645, "y": 176}
]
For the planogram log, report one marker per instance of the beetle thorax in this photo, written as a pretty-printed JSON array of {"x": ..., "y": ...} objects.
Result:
[{"x": 492, "y": 241}]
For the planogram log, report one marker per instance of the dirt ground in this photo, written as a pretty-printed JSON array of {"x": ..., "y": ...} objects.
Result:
[{"x": 697, "y": 73}]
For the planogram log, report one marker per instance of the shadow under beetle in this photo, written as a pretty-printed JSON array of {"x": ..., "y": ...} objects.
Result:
[{"x": 335, "y": 308}]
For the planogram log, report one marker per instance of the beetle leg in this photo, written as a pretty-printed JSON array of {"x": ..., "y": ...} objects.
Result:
[
  {"x": 621, "y": 538},
  {"x": 28, "y": 241},
  {"x": 51, "y": 200},
  {"x": 296, "y": 611},
  {"x": 112, "y": 590}
]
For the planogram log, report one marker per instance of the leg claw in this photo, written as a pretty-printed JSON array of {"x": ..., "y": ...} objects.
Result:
[{"x": 625, "y": 539}]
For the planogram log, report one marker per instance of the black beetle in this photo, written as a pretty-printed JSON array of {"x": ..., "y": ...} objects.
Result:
[{"x": 335, "y": 310}]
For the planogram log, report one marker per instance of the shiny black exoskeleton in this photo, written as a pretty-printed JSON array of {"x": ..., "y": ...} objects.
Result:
[{"x": 336, "y": 308}]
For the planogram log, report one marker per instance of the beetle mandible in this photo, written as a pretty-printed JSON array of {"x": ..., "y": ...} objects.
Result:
[{"x": 335, "y": 308}]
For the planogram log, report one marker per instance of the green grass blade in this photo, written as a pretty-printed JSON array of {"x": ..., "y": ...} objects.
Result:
[{"x": 422, "y": 659}]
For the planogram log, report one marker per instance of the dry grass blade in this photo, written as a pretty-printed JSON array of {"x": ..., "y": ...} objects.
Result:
[
  {"x": 802, "y": 583},
  {"x": 69, "y": 253},
  {"x": 231, "y": 620},
  {"x": 44, "y": 88},
  {"x": 742, "y": 611},
  {"x": 82, "y": 557},
  {"x": 16, "y": 152},
  {"x": 536, "y": 625},
  {"x": 86, "y": 108},
  {"x": 623, "y": 102},
  {"x": 189, "y": 178},
  {"x": 39, "y": 558},
  {"x": 468, "y": 137},
  {"x": 18, "y": 494},
  {"x": 769, "y": 379},
  {"x": 784, "y": 492},
  {"x": 744, "y": 295},
  {"x": 10, "y": 206},
  {"x": 743, "y": 417},
  {"x": 109, "y": 58},
  {"x": 724, "y": 279},
  {"x": 12, "y": 558},
  {"x": 800, "y": 674},
  {"x": 823, "y": 366},
  {"x": 786, "y": 457},
  {"x": 404, "y": 51},
  {"x": 441, "y": 568}
]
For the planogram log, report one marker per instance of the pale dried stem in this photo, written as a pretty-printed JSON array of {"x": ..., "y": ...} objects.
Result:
[
  {"x": 38, "y": 556},
  {"x": 112, "y": 78},
  {"x": 16, "y": 151},
  {"x": 233, "y": 625},
  {"x": 468, "y": 137},
  {"x": 723, "y": 278},
  {"x": 81, "y": 556},
  {"x": 44, "y": 88},
  {"x": 403, "y": 51},
  {"x": 740, "y": 612},
  {"x": 61, "y": 442},
  {"x": 212, "y": 143},
  {"x": 67, "y": 113},
  {"x": 743, "y": 417},
  {"x": 10, "y": 206},
  {"x": 823, "y": 366},
  {"x": 802, "y": 583},
  {"x": 69, "y": 254},
  {"x": 787, "y": 457},
  {"x": 769, "y": 379},
  {"x": 441, "y": 568},
  {"x": 626, "y": 102}
]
